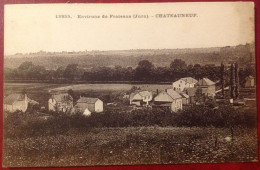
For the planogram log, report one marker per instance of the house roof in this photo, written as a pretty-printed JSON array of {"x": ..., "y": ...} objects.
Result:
[
  {"x": 168, "y": 95},
  {"x": 141, "y": 94},
  {"x": 173, "y": 94},
  {"x": 13, "y": 98},
  {"x": 162, "y": 104},
  {"x": 145, "y": 93},
  {"x": 251, "y": 77},
  {"x": 189, "y": 80},
  {"x": 184, "y": 95},
  {"x": 81, "y": 106},
  {"x": 87, "y": 100},
  {"x": 191, "y": 91},
  {"x": 205, "y": 82},
  {"x": 33, "y": 102},
  {"x": 61, "y": 97}
]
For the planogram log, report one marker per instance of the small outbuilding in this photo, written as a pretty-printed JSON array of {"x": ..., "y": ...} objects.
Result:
[
  {"x": 89, "y": 105},
  {"x": 250, "y": 82},
  {"x": 16, "y": 102}
]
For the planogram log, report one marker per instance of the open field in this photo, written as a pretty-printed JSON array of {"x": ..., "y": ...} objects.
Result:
[
  {"x": 29, "y": 87},
  {"x": 48, "y": 87},
  {"x": 110, "y": 87},
  {"x": 132, "y": 145}
]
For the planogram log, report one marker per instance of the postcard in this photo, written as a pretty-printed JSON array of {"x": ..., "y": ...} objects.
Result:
[{"x": 129, "y": 84}]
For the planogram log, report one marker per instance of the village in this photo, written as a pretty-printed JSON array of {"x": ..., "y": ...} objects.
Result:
[
  {"x": 183, "y": 93},
  {"x": 129, "y": 84}
]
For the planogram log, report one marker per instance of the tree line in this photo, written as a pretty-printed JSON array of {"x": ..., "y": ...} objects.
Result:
[{"x": 145, "y": 71}]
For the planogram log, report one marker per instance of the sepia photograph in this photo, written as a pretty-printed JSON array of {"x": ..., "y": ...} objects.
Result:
[{"x": 129, "y": 84}]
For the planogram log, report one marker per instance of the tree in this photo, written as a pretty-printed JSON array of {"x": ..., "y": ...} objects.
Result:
[
  {"x": 144, "y": 70},
  {"x": 26, "y": 65},
  {"x": 145, "y": 64},
  {"x": 222, "y": 73},
  {"x": 178, "y": 64},
  {"x": 232, "y": 94},
  {"x": 73, "y": 95},
  {"x": 198, "y": 95},
  {"x": 59, "y": 72},
  {"x": 71, "y": 71},
  {"x": 236, "y": 81}
]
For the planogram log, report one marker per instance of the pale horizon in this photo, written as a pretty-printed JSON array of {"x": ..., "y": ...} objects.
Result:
[
  {"x": 31, "y": 28},
  {"x": 122, "y": 50}
]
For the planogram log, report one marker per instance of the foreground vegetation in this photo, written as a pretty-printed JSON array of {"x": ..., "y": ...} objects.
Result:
[
  {"x": 201, "y": 134},
  {"x": 33, "y": 123},
  {"x": 132, "y": 145}
]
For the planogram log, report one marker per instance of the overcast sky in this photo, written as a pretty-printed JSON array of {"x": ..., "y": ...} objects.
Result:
[{"x": 31, "y": 28}]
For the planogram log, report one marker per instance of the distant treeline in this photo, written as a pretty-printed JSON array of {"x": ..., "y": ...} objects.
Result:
[
  {"x": 144, "y": 72},
  {"x": 130, "y": 58}
]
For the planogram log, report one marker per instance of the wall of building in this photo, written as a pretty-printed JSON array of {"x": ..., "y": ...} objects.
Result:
[
  {"x": 176, "y": 105},
  {"x": 99, "y": 106},
  {"x": 52, "y": 105},
  {"x": 181, "y": 85},
  {"x": 20, "y": 105}
]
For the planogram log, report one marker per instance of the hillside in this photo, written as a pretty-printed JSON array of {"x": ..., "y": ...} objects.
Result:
[{"x": 130, "y": 58}]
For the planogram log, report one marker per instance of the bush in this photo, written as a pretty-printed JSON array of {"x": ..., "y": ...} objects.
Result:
[{"x": 23, "y": 125}]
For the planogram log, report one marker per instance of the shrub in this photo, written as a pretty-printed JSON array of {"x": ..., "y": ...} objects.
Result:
[{"x": 23, "y": 124}]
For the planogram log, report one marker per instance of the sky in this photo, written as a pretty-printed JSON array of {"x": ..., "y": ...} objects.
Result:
[{"x": 32, "y": 28}]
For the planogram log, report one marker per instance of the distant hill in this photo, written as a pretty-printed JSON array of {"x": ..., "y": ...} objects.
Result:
[{"x": 130, "y": 58}]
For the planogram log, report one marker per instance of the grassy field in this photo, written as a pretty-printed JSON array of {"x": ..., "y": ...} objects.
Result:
[
  {"x": 132, "y": 145},
  {"x": 111, "y": 87}
]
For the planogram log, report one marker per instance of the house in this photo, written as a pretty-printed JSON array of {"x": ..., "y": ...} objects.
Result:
[
  {"x": 60, "y": 102},
  {"x": 250, "y": 82},
  {"x": 191, "y": 92},
  {"x": 185, "y": 98},
  {"x": 15, "y": 102},
  {"x": 170, "y": 99},
  {"x": 181, "y": 84},
  {"x": 140, "y": 98},
  {"x": 207, "y": 86},
  {"x": 88, "y": 105}
]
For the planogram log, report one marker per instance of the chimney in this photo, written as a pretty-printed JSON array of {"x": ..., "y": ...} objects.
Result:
[
  {"x": 157, "y": 91},
  {"x": 165, "y": 90}
]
